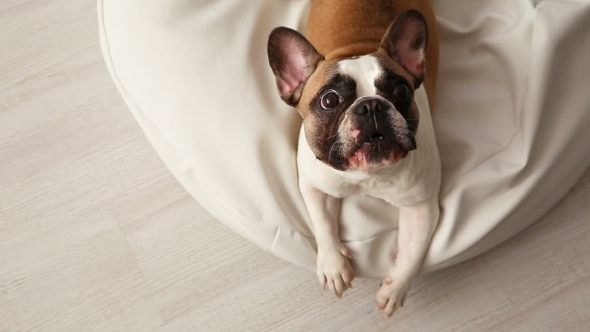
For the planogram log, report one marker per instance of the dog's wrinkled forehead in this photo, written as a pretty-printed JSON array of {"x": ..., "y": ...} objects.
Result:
[{"x": 364, "y": 70}]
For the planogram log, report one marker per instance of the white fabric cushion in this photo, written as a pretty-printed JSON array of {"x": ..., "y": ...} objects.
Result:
[{"x": 512, "y": 118}]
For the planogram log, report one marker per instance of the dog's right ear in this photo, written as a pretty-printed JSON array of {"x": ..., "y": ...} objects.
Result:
[
  {"x": 293, "y": 59},
  {"x": 406, "y": 41}
]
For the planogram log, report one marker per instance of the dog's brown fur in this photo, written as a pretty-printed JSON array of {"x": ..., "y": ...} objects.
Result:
[{"x": 344, "y": 28}]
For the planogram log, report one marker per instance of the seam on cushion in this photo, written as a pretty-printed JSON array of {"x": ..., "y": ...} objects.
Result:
[
  {"x": 378, "y": 234},
  {"x": 272, "y": 246}
]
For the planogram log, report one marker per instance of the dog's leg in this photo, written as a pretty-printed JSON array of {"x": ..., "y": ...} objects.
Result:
[
  {"x": 333, "y": 266},
  {"x": 416, "y": 226}
]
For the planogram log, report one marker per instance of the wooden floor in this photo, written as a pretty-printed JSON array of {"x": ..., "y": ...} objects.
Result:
[{"x": 96, "y": 235}]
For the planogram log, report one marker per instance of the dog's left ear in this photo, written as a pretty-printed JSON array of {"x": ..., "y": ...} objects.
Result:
[{"x": 405, "y": 41}]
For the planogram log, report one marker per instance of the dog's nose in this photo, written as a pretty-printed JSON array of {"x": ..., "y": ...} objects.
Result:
[{"x": 369, "y": 106}]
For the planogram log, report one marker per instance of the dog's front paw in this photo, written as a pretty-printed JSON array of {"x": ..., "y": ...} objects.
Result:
[
  {"x": 334, "y": 270},
  {"x": 391, "y": 295}
]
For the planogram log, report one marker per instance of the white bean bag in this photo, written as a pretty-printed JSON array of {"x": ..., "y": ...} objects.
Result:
[{"x": 512, "y": 118}]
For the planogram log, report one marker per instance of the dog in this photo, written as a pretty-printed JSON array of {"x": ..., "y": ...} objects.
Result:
[{"x": 354, "y": 82}]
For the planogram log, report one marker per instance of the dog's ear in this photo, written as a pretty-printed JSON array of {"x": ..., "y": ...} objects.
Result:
[
  {"x": 405, "y": 41},
  {"x": 292, "y": 59}
]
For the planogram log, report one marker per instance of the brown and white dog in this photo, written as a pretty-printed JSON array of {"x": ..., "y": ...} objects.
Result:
[{"x": 355, "y": 83}]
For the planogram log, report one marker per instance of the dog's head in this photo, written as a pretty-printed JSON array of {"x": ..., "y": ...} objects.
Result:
[{"x": 358, "y": 113}]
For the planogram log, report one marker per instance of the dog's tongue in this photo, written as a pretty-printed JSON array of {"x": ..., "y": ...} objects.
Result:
[{"x": 358, "y": 159}]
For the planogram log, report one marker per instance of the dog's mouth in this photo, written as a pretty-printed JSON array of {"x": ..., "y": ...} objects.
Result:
[
  {"x": 375, "y": 138},
  {"x": 369, "y": 147},
  {"x": 375, "y": 153},
  {"x": 378, "y": 150}
]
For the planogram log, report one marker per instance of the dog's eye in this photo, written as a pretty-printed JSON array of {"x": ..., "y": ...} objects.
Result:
[
  {"x": 329, "y": 100},
  {"x": 401, "y": 91}
]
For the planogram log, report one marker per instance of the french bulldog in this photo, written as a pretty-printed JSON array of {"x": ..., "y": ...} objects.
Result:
[{"x": 354, "y": 81}]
